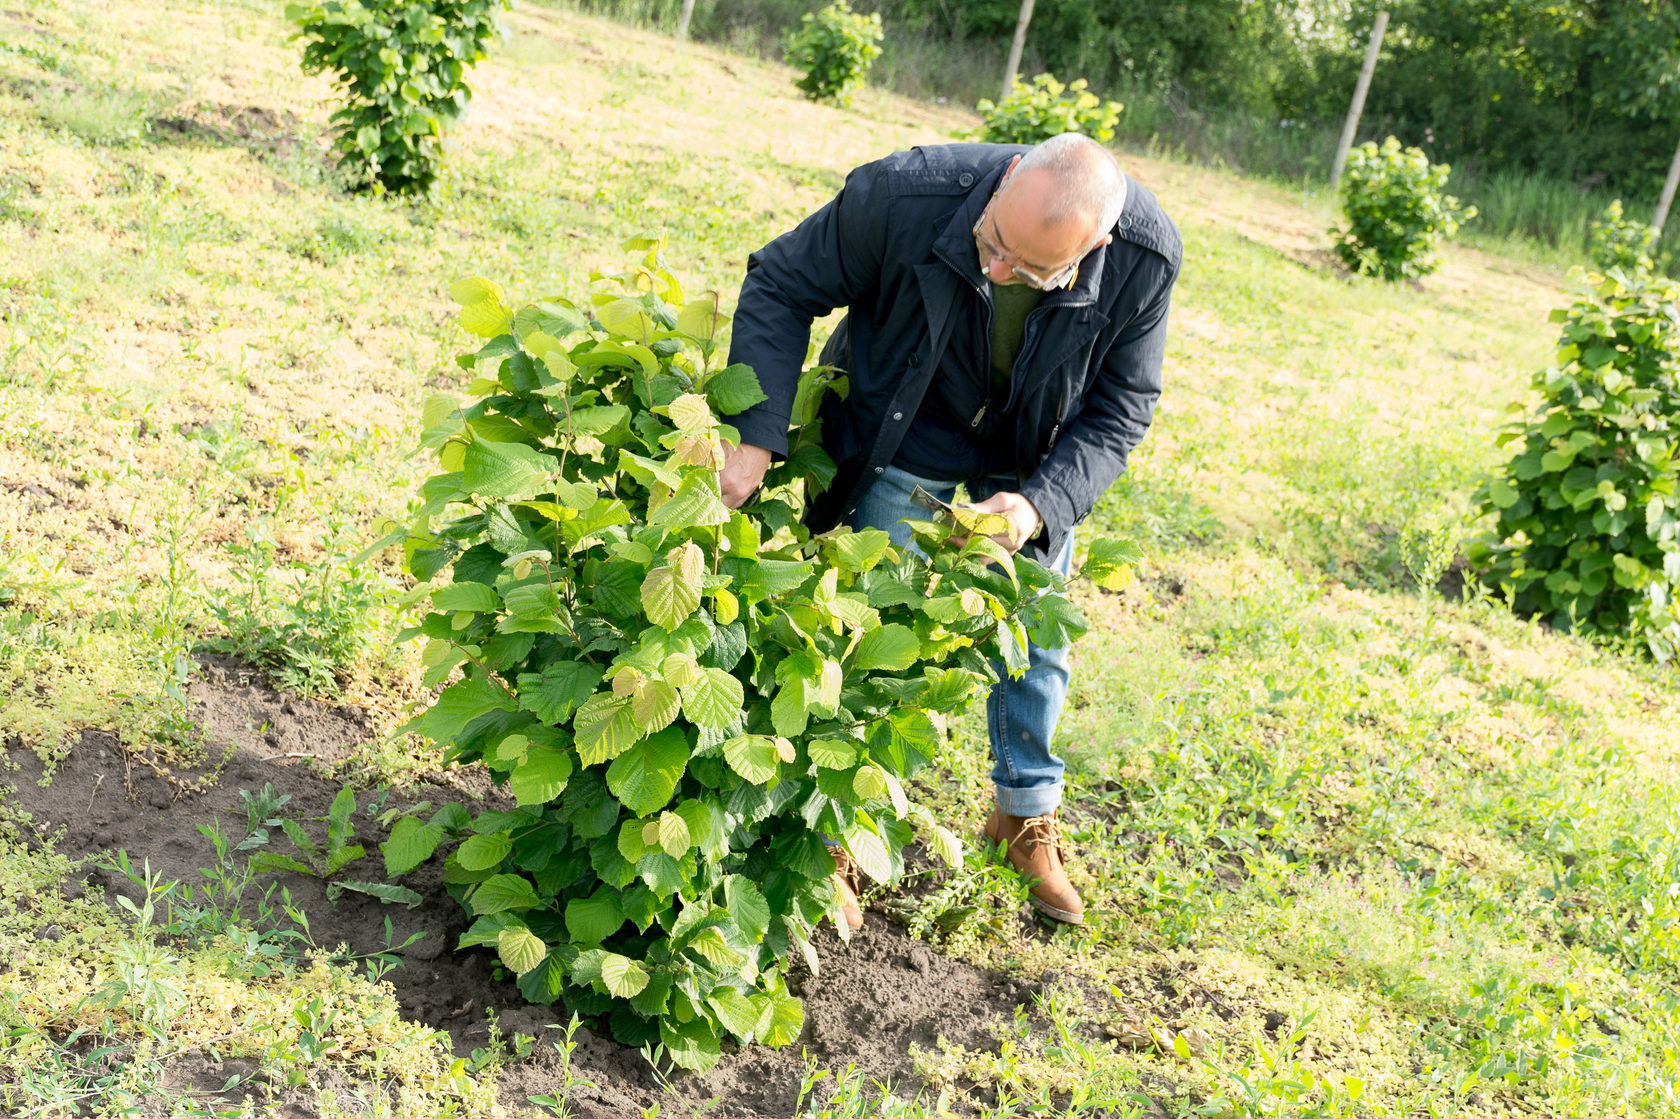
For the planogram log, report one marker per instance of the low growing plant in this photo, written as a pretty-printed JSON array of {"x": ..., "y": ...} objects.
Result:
[
  {"x": 1046, "y": 108},
  {"x": 1614, "y": 241},
  {"x": 1396, "y": 211},
  {"x": 1586, "y": 515},
  {"x": 688, "y": 703},
  {"x": 402, "y": 65},
  {"x": 835, "y": 47}
]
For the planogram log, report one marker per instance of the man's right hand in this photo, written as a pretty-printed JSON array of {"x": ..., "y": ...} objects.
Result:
[{"x": 743, "y": 470}]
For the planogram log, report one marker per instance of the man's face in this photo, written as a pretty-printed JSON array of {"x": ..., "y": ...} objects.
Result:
[{"x": 1014, "y": 243}]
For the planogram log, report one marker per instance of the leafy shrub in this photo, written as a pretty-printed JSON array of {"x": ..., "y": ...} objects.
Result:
[
  {"x": 834, "y": 47},
  {"x": 1618, "y": 242},
  {"x": 1046, "y": 108},
  {"x": 1587, "y": 518},
  {"x": 1396, "y": 211},
  {"x": 686, "y": 701},
  {"x": 403, "y": 67}
]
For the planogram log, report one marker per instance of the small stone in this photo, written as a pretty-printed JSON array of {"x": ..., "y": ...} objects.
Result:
[
  {"x": 272, "y": 738},
  {"x": 160, "y": 799},
  {"x": 52, "y": 932}
]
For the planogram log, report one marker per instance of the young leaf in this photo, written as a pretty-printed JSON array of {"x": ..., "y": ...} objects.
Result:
[
  {"x": 753, "y": 756},
  {"x": 494, "y": 469},
  {"x": 623, "y": 976},
  {"x": 591, "y": 920},
  {"x": 734, "y": 389},
  {"x": 605, "y": 727},
  {"x": 553, "y": 694},
  {"x": 541, "y": 777},
  {"x": 714, "y": 700},
  {"x": 520, "y": 949},
  {"x": 747, "y": 907},
  {"x": 502, "y": 893},
  {"x": 671, "y": 592},
  {"x": 484, "y": 852},
  {"x": 893, "y": 647},
  {"x": 782, "y": 1021}
]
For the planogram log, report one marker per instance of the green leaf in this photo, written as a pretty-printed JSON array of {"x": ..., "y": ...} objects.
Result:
[
  {"x": 735, "y": 1012},
  {"x": 466, "y": 596},
  {"x": 861, "y": 551},
  {"x": 690, "y": 1045},
  {"x": 694, "y": 503},
  {"x": 832, "y": 753},
  {"x": 700, "y": 318},
  {"x": 592, "y": 919},
  {"x": 1053, "y": 622},
  {"x": 747, "y": 907},
  {"x": 893, "y": 647},
  {"x": 542, "y": 776},
  {"x": 484, "y": 852},
  {"x": 753, "y": 756},
  {"x": 553, "y": 694},
  {"x": 782, "y": 1021},
  {"x": 623, "y": 976},
  {"x": 1109, "y": 563},
  {"x": 502, "y": 893},
  {"x": 645, "y": 775},
  {"x": 710, "y": 945},
  {"x": 714, "y": 700},
  {"x": 605, "y": 727},
  {"x": 521, "y": 950},
  {"x": 458, "y": 705},
  {"x": 671, "y": 592},
  {"x": 410, "y": 844},
  {"x": 734, "y": 389},
  {"x": 870, "y": 852},
  {"x": 671, "y": 833},
  {"x": 504, "y": 469},
  {"x": 483, "y": 311},
  {"x": 386, "y": 892}
]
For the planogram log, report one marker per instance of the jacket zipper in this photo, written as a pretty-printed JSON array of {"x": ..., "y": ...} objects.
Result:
[{"x": 1061, "y": 405}]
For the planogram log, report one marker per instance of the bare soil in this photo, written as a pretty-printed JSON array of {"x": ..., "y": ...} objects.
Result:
[{"x": 876, "y": 996}]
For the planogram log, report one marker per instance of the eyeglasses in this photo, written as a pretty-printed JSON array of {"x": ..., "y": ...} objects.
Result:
[{"x": 990, "y": 252}]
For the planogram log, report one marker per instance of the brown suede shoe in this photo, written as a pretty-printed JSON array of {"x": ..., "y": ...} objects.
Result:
[
  {"x": 1035, "y": 848},
  {"x": 846, "y": 884}
]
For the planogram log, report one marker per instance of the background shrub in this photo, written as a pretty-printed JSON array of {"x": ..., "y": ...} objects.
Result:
[
  {"x": 1586, "y": 515},
  {"x": 402, "y": 65},
  {"x": 686, "y": 701},
  {"x": 834, "y": 47},
  {"x": 1047, "y": 108},
  {"x": 1396, "y": 211},
  {"x": 1618, "y": 242}
]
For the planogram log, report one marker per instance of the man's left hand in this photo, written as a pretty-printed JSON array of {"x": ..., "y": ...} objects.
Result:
[{"x": 1024, "y": 521}]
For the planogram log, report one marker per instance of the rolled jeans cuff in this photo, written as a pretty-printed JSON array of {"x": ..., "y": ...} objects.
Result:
[{"x": 1039, "y": 800}]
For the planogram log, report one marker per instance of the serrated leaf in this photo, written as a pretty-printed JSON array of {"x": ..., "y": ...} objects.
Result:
[
  {"x": 645, "y": 775},
  {"x": 654, "y": 704},
  {"x": 725, "y": 606},
  {"x": 466, "y": 596},
  {"x": 735, "y": 1012},
  {"x": 386, "y": 892},
  {"x": 711, "y": 946},
  {"x": 554, "y": 693},
  {"x": 592, "y": 919},
  {"x": 690, "y": 1045},
  {"x": 734, "y": 389},
  {"x": 503, "y": 893},
  {"x": 869, "y": 783},
  {"x": 860, "y": 551},
  {"x": 484, "y": 852},
  {"x": 521, "y": 950},
  {"x": 892, "y": 647},
  {"x": 1053, "y": 622},
  {"x": 671, "y": 592},
  {"x": 494, "y": 469},
  {"x": 747, "y": 907},
  {"x": 410, "y": 844},
  {"x": 623, "y": 976},
  {"x": 700, "y": 318},
  {"x": 483, "y": 311},
  {"x": 605, "y": 727},
  {"x": 782, "y": 1021},
  {"x": 458, "y": 705},
  {"x": 671, "y": 834},
  {"x": 694, "y": 503},
  {"x": 541, "y": 777},
  {"x": 753, "y": 756},
  {"x": 690, "y": 412},
  {"x": 714, "y": 700},
  {"x": 832, "y": 753},
  {"x": 869, "y": 851},
  {"x": 946, "y": 846},
  {"x": 1109, "y": 563}
]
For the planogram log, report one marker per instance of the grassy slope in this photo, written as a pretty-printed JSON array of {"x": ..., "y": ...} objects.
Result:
[{"x": 1346, "y": 831}]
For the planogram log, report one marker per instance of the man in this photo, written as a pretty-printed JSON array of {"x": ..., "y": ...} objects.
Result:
[{"x": 1006, "y": 319}]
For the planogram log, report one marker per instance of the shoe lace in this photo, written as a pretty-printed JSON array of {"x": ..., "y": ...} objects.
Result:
[{"x": 1043, "y": 831}]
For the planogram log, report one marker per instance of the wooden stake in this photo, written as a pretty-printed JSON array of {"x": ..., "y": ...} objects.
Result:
[
  {"x": 1667, "y": 198},
  {"x": 1015, "y": 49},
  {"x": 1351, "y": 125}
]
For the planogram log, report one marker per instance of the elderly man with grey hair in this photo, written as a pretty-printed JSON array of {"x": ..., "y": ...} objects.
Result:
[{"x": 1006, "y": 319}]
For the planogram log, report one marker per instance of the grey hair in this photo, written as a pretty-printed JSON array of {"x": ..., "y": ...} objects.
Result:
[{"x": 1092, "y": 184}]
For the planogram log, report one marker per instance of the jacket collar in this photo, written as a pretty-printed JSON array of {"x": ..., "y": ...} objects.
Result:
[{"x": 955, "y": 246}]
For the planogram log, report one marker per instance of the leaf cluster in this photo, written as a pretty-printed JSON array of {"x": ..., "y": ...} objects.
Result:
[
  {"x": 1044, "y": 108},
  {"x": 689, "y": 704},
  {"x": 835, "y": 47},
  {"x": 1614, "y": 241},
  {"x": 1395, "y": 211},
  {"x": 1586, "y": 515},
  {"x": 402, "y": 65}
]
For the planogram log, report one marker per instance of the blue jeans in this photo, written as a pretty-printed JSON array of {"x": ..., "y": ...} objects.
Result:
[{"x": 1021, "y": 713}]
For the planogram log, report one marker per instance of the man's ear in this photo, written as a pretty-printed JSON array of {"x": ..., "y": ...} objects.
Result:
[{"x": 1108, "y": 239}]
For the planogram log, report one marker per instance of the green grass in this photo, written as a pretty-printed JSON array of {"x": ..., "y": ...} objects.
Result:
[{"x": 1339, "y": 838}]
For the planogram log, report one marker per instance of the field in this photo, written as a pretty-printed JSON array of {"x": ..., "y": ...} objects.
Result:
[{"x": 1356, "y": 841}]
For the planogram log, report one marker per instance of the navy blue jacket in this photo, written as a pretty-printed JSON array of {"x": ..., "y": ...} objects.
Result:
[{"x": 895, "y": 248}]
